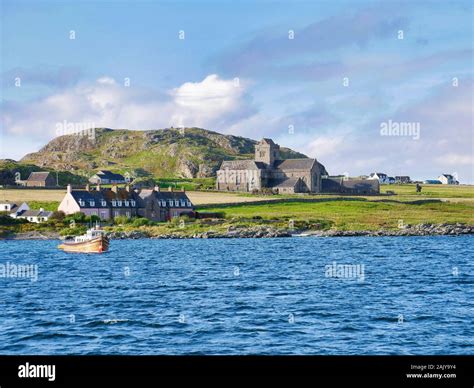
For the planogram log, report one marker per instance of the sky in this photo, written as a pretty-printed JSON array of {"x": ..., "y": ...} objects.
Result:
[{"x": 362, "y": 86}]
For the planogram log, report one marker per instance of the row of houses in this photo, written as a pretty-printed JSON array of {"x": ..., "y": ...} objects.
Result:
[
  {"x": 109, "y": 203},
  {"x": 48, "y": 179},
  {"x": 23, "y": 211},
  {"x": 445, "y": 179},
  {"x": 388, "y": 180}
]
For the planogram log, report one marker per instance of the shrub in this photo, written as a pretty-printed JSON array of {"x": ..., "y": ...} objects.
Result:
[
  {"x": 140, "y": 222},
  {"x": 76, "y": 231},
  {"x": 121, "y": 220},
  {"x": 58, "y": 215}
]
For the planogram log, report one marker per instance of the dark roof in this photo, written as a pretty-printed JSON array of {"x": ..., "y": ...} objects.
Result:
[
  {"x": 38, "y": 176},
  {"x": 35, "y": 213},
  {"x": 449, "y": 176},
  {"x": 242, "y": 165},
  {"x": 359, "y": 184},
  {"x": 294, "y": 164},
  {"x": 103, "y": 195},
  {"x": 106, "y": 174},
  {"x": 163, "y": 194},
  {"x": 108, "y": 196},
  {"x": 290, "y": 182},
  {"x": 267, "y": 140}
]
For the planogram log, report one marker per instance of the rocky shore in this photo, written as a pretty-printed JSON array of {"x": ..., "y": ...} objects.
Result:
[
  {"x": 269, "y": 232},
  {"x": 260, "y": 231}
]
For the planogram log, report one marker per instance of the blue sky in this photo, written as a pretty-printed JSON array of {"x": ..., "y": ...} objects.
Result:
[{"x": 326, "y": 92}]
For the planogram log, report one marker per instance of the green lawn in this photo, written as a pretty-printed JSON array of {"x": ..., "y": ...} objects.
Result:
[
  {"x": 433, "y": 191},
  {"x": 357, "y": 214}
]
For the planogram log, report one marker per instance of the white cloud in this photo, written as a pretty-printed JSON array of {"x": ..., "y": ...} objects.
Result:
[{"x": 212, "y": 103}]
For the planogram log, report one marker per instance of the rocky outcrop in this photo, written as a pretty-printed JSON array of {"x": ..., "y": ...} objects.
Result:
[
  {"x": 186, "y": 152},
  {"x": 407, "y": 230}
]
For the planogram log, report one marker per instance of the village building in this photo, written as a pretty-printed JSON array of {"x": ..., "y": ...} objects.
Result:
[
  {"x": 402, "y": 179},
  {"x": 23, "y": 211},
  {"x": 381, "y": 177},
  {"x": 267, "y": 171},
  {"x": 107, "y": 204},
  {"x": 344, "y": 185},
  {"x": 447, "y": 179},
  {"x": 39, "y": 179},
  {"x": 36, "y": 216},
  {"x": 106, "y": 177}
]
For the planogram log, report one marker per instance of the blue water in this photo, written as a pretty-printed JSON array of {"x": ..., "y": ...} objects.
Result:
[{"x": 242, "y": 296}]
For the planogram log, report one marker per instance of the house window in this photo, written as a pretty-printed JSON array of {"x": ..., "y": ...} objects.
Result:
[
  {"x": 104, "y": 203},
  {"x": 119, "y": 203},
  {"x": 127, "y": 214},
  {"x": 176, "y": 203},
  {"x": 190, "y": 204},
  {"x": 81, "y": 203},
  {"x": 127, "y": 203},
  {"x": 183, "y": 203},
  {"x": 92, "y": 203},
  {"x": 133, "y": 203},
  {"x": 114, "y": 203},
  {"x": 163, "y": 203},
  {"x": 170, "y": 202},
  {"x": 117, "y": 213},
  {"x": 102, "y": 215}
]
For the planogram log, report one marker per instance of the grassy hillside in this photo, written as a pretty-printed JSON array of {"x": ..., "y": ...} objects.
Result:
[
  {"x": 9, "y": 168},
  {"x": 163, "y": 153}
]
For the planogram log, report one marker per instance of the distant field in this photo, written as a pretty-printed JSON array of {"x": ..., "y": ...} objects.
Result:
[
  {"x": 454, "y": 194},
  {"x": 197, "y": 197},
  {"x": 347, "y": 214},
  {"x": 434, "y": 191},
  {"x": 22, "y": 195}
]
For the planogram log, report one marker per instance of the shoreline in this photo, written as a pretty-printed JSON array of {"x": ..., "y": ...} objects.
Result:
[{"x": 270, "y": 232}]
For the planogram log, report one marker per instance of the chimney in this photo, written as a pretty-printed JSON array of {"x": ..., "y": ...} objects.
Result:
[
  {"x": 69, "y": 188},
  {"x": 157, "y": 188},
  {"x": 88, "y": 188},
  {"x": 98, "y": 187}
]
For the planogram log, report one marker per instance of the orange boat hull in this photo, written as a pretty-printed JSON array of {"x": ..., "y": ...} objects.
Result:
[{"x": 97, "y": 245}]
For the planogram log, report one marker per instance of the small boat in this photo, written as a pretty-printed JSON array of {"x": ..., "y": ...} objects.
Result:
[{"x": 94, "y": 241}]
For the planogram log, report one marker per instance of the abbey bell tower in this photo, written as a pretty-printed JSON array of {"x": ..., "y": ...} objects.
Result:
[{"x": 267, "y": 151}]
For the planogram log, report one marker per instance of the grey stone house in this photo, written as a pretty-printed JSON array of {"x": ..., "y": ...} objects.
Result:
[
  {"x": 106, "y": 177},
  {"x": 40, "y": 179},
  {"x": 267, "y": 170}
]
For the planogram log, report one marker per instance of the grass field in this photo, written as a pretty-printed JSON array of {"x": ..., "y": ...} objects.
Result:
[
  {"x": 436, "y": 204},
  {"x": 357, "y": 214}
]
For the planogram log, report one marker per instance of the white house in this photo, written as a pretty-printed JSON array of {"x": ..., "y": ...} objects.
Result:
[
  {"x": 13, "y": 208},
  {"x": 23, "y": 211},
  {"x": 381, "y": 177},
  {"x": 447, "y": 179},
  {"x": 36, "y": 216}
]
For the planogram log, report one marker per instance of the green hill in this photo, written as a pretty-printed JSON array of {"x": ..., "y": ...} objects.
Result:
[{"x": 164, "y": 153}]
